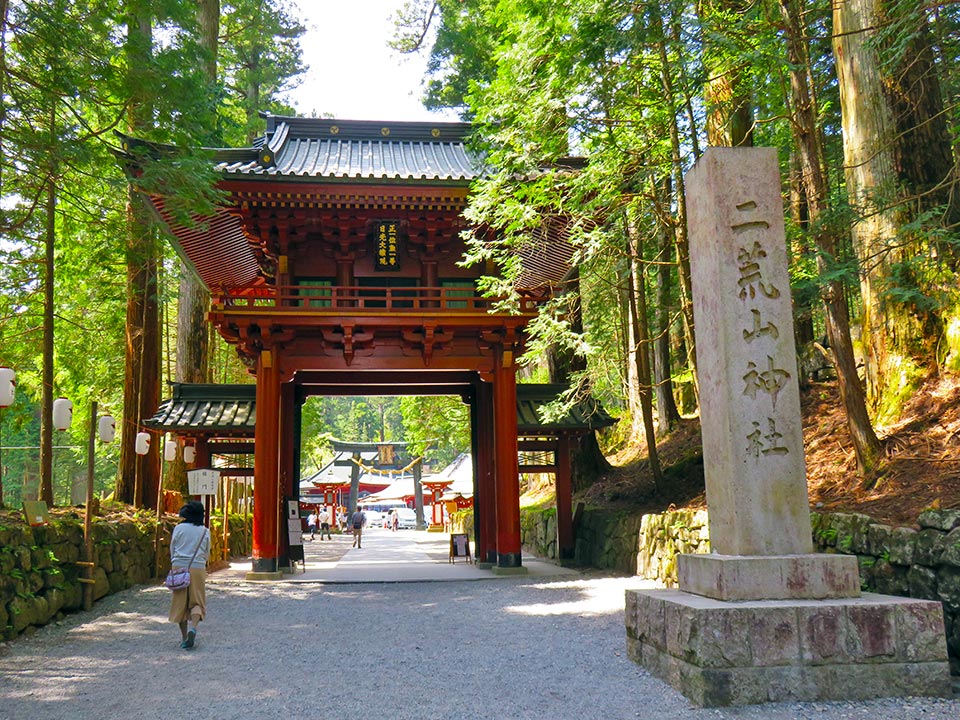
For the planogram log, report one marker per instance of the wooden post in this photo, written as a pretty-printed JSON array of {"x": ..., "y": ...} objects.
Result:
[
  {"x": 564, "y": 489},
  {"x": 226, "y": 517},
  {"x": 87, "y": 564},
  {"x": 156, "y": 528},
  {"x": 507, "y": 470}
]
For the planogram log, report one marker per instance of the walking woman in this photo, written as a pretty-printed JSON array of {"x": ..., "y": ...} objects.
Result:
[{"x": 190, "y": 548}]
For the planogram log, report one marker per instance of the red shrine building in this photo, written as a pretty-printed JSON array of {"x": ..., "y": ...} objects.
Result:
[{"x": 333, "y": 266}]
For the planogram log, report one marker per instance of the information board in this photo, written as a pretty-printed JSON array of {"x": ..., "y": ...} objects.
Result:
[
  {"x": 36, "y": 512},
  {"x": 203, "y": 481},
  {"x": 460, "y": 546}
]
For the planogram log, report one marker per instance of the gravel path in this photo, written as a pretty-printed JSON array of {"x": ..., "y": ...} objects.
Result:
[{"x": 506, "y": 648}]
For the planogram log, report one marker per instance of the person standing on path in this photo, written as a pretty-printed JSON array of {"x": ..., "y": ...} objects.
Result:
[
  {"x": 357, "y": 521},
  {"x": 324, "y": 520},
  {"x": 312, "y": 524},
  {"x": 190, "y": 548}
]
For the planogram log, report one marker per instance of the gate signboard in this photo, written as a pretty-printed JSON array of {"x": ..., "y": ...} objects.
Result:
[{"x": 203, "y": 481}]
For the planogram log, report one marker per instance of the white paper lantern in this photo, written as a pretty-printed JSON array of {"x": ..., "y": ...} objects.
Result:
[
  {"x": 8, "y": 386},
  {"x": 189, "y": 454},
  {"x": 62, "y": 413},
  {"x": 106, "y": 428},
  {"x": 142, "y": 444},
  {"x": 170, "y": 450}
]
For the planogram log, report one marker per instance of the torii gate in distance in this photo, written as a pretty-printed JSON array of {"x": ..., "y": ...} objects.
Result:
[{"x": 333, "y": 269}]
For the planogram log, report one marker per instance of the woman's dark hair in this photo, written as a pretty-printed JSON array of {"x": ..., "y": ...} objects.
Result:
[{"x": 192, "y": 512}]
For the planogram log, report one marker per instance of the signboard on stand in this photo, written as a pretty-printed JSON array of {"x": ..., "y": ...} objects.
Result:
[
  {"x": 460, "y": 547},
  {"x": 294, "y": 531},
  {"x": 204, "y": 481}
]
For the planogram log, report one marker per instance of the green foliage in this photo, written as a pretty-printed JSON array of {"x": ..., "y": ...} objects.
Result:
[
  {"x": 67, "y": 85},
  {"x": 437, "y": 426},
  {"x": 260, "y": 59}
]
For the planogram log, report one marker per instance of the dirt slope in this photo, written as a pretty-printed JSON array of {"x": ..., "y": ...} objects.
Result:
[{"x": 921, "y": 461}]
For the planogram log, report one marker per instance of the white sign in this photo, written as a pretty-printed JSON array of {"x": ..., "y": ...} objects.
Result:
[{"x": 203, "y": 481}]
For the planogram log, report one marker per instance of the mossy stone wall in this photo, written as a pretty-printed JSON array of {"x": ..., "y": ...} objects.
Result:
[{"x": 39, "y": 575}]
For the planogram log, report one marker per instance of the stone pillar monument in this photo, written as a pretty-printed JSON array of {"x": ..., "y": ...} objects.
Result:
[{"x": 763, "y": 618}]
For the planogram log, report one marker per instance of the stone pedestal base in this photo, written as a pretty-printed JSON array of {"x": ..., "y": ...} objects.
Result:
[
  {"x": 517, "y": 570},
  {"x": 263, "y": 576},
  {"x": 769, "y": 577},
  {"x": 738, "y": 653}
]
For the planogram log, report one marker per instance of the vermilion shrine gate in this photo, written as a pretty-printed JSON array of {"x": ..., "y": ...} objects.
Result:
[{"x": 333, "y": 269}]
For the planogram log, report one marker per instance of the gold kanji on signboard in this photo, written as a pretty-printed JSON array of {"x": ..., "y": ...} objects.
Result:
[{"x": 388, "y": 236}]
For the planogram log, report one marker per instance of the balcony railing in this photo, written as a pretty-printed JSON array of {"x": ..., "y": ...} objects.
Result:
[{"x": 323, "y": 299}]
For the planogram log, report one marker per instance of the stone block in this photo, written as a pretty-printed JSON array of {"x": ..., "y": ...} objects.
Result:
[
  {"x": 705, "y": 638},
  {"x": 929, "y": 547},
  {"x": 774, "y": 577},
  {"x": 920, "y": 631},
  {"x": 948, "y": 589},
  {"x": 23, "y": 556},
  {"x": 774, "y": 636},
  {"x": 866, "y": 565},
  {"x": 871, "y": 633},
  {"x": 852, "y": 532},
  {"x": 822, "y": 632},
  {"x": 902, "y": 549},
  {"x": 878, "y": 539},
  {"x": 951, "y": 548},
  {"x": 40, "y": 558},
  {"x": 945, "y": 520},
  {"x": 630, "y": 613},
  {"x": 650, "y": 625},
  {"x": 55, "y": 600},
  {"x": 734, "y": 653},
  {"x": 922, "y": 582},
  {"x": 889, "y": 579},
  {"x": 101, "y": 586}
]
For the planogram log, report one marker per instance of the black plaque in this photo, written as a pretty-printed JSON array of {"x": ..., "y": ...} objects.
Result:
[{"x": 387, "y": 238}]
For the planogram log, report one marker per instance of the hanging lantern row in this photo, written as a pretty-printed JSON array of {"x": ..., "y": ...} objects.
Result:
[
  {"x": 106, "y": 425},
  {"x": 62, "y": 408},
  {"x": 142, "y": 447},
  {"x": 8, "y": 386}
]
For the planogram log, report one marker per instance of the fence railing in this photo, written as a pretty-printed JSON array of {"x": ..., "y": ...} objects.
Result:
[{"x": 330, "y": 298}]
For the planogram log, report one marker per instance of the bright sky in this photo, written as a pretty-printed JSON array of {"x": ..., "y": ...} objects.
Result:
[{"x": 353, "y": 74}]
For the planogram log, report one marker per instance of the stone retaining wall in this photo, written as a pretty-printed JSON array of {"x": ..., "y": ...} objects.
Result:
[
  {"x": 39, "y": 575},
  {"x": 604, "y": 540}
]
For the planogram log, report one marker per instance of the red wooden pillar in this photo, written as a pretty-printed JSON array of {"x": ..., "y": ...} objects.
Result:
[
  {"x": 202, "y": 457},
  {"x": 486, "y": 493},
  {"x": 564, "y": 488},
  {"x": 266, "y": 486},
  {"x": 507, "y": 470}
]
